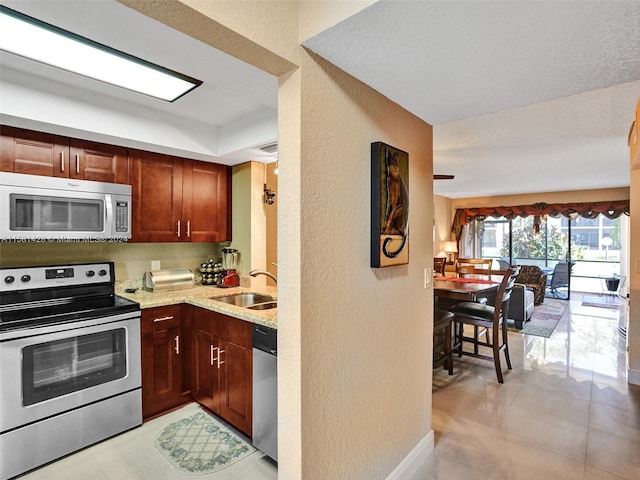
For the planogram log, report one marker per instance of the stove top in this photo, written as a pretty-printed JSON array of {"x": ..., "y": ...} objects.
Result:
[{"x": 46, "y": 295}]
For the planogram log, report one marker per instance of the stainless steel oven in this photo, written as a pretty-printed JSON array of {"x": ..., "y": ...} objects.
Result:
[{"x": 69, "y": 362}]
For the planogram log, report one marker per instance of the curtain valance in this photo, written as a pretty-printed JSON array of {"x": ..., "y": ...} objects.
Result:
[{"x": 540, "y": 211}]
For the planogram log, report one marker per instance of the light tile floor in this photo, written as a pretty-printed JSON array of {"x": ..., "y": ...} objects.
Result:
[
  {"x": 133, "y": 456},
  {"x": 565, "y": 411}
]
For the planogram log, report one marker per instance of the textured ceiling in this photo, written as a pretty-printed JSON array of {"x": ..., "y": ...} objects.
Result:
[
  {"x": 525, "y": 97},
  {"x": 447, "y": 61},
  {"x": 504, "y": 85}
]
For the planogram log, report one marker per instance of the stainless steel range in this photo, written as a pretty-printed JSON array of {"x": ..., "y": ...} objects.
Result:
[{"x": 69, "y": 362}]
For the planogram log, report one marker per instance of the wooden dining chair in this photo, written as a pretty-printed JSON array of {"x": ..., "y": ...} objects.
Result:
[
  {"x": 443, "y": 336},
  {"x": 439, "y": 264},
  {"x": 493, "y": 317},
  {"x": 473, "y": 266},
  {"x": 476, "y": 266}
]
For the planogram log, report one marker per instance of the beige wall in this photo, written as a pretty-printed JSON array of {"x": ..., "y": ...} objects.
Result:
[
  {"x": 271, "y": 213},
  {"x": 254, "y": 222},
  {"x": 634, "y": 280},
  {"x": 248, "y": 220},
  {"x": 241, "y": 226},
  {"x": 361, "y": 413},
  {"x": 344, "y": 412},
  {"x": 443, "y": 217},
  {"x": 315, "y": 17}
]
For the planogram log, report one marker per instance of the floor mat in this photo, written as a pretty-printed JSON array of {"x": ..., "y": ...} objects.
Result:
[
  {"x": 601, "y": 301},
  {"x": 200, "y": 444},
  {"x": 544, "y": 319}
]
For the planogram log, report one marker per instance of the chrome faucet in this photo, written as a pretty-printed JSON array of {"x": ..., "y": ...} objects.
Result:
[{"x": 254, "y": 273}]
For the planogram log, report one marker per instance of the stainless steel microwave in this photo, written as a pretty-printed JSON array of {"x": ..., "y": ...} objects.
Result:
[{"x": 36, "y": 208}]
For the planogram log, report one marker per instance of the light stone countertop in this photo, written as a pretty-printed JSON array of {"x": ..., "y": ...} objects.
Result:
[{"x": 201, "y": 296}]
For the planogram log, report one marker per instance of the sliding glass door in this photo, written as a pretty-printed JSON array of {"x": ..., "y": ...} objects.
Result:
[
  {"x": 582, "y": 254},
  {"x": 517, "y": 243}
]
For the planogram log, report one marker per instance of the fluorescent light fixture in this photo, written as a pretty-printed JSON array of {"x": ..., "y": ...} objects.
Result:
[{"x": 30, "y": 38}]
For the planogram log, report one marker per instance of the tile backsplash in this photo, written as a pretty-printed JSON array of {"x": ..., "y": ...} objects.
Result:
[{"x": 131, "y": 259}]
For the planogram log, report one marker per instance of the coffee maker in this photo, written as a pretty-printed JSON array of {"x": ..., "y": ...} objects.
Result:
[{"x": 230, "y": 263}]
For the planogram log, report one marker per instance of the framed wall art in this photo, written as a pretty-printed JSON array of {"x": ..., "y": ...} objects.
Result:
[{"x": 389, "y": 206}]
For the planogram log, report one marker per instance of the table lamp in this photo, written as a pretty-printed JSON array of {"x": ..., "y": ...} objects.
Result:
[{"x": 450, "y": 248}]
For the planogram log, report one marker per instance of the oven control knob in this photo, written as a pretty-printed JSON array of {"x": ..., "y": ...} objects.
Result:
[
  {"x": 25, "y": 278},
  {"x": 10, "y": 279},
  {"x": 90, "y": 273},
  {"x": 102, "y": 273}
]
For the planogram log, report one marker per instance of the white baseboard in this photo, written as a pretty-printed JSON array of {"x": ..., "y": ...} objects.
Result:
[
  {"x": 633, "y": 377},
  {"x": 420, "y": 453}
]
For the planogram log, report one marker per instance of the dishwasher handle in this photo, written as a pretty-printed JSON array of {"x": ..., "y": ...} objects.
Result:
[{"x": 265, "y": 339}]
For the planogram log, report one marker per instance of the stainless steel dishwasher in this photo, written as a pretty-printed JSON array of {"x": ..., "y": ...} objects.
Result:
[{"x": 265, "y": 390}]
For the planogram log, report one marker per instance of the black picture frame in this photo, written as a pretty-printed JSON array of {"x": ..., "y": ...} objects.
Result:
[{"x": 389, "y": 206}]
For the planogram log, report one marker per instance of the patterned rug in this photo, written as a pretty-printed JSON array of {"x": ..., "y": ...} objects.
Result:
[
  {"x": 199, "y": 444},
  {"x": 544, "y": 319}
]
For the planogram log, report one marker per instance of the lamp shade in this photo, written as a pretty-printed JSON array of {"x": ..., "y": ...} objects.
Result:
[{"x": 449, "y": 247}]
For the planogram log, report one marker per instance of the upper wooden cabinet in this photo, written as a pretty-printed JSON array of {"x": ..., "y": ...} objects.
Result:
[
  {"x": 36, "y": 153},
  {"x": 98, "y": 162},
  {"x": 179, "y": 200}
]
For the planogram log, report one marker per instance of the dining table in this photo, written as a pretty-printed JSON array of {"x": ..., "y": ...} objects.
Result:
[{"x": 452, "y": 289}]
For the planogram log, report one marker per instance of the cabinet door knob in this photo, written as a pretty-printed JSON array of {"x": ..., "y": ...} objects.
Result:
[
  {"x": 62, "y": 161},
  {"x": 220, "y": 352},
  {"x": 188, "y": 228},
  {"x": 177, "y": 347},
  {"x": 162, "y": 319},
  {"x": 77, "y": 163},
  {"x": 178, "y": 230}
]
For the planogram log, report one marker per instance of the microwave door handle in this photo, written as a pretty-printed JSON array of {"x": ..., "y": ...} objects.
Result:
[{"x": 108, "y": 214}]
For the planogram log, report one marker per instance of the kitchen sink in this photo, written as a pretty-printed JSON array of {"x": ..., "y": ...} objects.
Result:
[
  {"x": 263, "y": 306},
  {"x": 246, "y": 300}
]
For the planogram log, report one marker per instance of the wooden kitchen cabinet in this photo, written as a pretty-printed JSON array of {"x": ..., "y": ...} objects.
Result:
[
  {"x": 223, "y": 367},
  {"x": 179, "y": 200},
  {"x": 37, "y": 153},
  {"x": 34, "y": 153},
  {"x": 164, "y": 348},
  {"x": 98, "y": 162}
]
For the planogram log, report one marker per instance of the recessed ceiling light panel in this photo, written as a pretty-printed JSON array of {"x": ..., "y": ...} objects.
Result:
[{"x": 30, "y": 38}]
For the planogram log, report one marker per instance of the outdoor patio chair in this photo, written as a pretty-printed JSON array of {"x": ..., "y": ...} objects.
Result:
[{"x": 559, "y": 283}]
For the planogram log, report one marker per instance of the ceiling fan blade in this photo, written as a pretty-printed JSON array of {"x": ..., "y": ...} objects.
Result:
[{"x": 443, "y": 177}]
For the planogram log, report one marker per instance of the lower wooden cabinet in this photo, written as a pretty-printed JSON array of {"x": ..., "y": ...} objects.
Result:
[
  {"x": 190, "y": 353},
  {"x": 164, "y": 352},
  {"x": 223, "y": 367}
]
